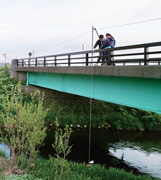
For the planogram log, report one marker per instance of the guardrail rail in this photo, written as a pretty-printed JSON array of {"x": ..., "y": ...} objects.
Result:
[{"x": 140, "y": 54}]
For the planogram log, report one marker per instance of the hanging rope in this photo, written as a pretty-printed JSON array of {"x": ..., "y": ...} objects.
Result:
[
  {"x": 90, "y": 124},
  {"x": 91, "y": 100},
  {"x": 90, "y": 112}
]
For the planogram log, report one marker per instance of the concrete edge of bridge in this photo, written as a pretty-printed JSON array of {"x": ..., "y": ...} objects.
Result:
[{"x": 123, "y": 71}]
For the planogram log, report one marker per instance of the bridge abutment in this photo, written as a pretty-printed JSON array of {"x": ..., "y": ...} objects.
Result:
[{"x": 17, "y": 75}]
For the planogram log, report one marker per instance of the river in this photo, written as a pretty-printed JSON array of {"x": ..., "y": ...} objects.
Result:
[{"x": 139, "y": 152}]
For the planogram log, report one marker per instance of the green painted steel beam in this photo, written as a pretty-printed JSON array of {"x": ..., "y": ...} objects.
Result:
[{"x": 142, "y": 93}]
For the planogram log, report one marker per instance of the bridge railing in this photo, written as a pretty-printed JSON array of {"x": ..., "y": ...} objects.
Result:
[{"x": 140, "y": 54}]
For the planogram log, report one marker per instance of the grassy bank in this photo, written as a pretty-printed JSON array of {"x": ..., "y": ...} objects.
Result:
[{"x": 44, "y": 170}]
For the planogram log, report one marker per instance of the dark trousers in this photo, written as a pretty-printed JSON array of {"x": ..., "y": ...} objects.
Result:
[
  {"x": 100, "y": 57},
  {"x": 107, "y": 59}
]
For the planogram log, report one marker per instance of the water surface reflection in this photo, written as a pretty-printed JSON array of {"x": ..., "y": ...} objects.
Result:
[{"x": 146, "y": 162}]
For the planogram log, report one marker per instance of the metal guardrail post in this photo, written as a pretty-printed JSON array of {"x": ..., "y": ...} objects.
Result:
[
  {"x": 86, "y": 59},
  {"x": 22, "y": 63},
  {"x": 29, "y": 62},
  {"x": 55, "y": 61},
  {"x": 36, "y": 62},
  {"x": 146, "y": 56},
  {"x": 110, "y": 53},
  {"x": 44, "y": 61},
  {"x": 68, "y": 60}
]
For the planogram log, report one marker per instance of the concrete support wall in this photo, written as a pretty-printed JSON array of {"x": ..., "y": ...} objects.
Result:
[{"x": 17, "y": 75}]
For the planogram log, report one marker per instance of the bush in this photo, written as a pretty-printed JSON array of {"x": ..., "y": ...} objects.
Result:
[
  {"x": 44, "y": 169},
  {"x": 2, "y": 154},
  {"x": 24, "y": 124},
  {"x": 21, "y": 177},
  {"x": 104, "y": 114}
]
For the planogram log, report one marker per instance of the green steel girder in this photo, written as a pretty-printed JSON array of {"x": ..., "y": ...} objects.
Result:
[{"x": 142, "y": 93}]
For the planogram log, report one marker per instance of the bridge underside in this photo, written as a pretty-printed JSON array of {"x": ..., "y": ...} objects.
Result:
[{"x": 142, "y": 93}]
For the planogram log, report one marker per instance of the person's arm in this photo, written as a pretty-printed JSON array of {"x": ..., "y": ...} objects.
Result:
[
  {"x": 96, "y": 44},
  {"x": 105, "y": 43}
]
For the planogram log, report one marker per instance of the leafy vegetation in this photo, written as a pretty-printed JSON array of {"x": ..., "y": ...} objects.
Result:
[
  {"x": 45, "y": 170},
  {"x": 2, "y": 154},
  {"x": 104, "y": 115},
  {"x": 21, "y": 177},
  {"x": 24, "y": 125},
  {"x": 62, "y": 148}
]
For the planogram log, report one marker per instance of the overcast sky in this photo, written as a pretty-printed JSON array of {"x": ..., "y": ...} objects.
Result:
[{"x": 41, "y": 25}]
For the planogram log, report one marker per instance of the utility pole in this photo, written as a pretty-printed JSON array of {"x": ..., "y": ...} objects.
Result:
[
  {"x": 96, "y": 32},
  {"x": 92, "y": 45},
  {"x": 5, "y": 58},
  {"x": 83, "y": 46},
  {"x": 92, "y": 36}
]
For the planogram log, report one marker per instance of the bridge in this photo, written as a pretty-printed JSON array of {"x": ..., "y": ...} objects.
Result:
[{"x": 134, "y": 81}]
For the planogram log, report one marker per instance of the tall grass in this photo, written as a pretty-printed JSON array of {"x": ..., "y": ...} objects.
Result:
[{"x": 44, "y": 169}]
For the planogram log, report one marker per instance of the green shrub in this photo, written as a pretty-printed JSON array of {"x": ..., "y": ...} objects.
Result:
[
  {"x": 45, "y": 170},
  {"x": 24, "y": 124},
  {"x": 22, "y": 177},
  {"x": 103, "y": 113},
  {"x": 2, "y": 153}
]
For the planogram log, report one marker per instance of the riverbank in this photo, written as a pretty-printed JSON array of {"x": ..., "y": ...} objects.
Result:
[
  {"x": 44, "y": 170},
  {"x": 82, "y": 172}
]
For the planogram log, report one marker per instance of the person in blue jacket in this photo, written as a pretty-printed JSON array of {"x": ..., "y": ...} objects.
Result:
[{"x": 109, "y": 42}]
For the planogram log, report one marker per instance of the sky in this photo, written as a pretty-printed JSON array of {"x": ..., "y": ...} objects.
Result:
[{"x": 46, "y": 27}]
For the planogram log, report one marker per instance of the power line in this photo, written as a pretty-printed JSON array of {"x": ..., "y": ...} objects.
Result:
[
  {"x": 115, "y": 26},
  {"x": 139, "y": 22},
  {"x": 64, "y": 41}
]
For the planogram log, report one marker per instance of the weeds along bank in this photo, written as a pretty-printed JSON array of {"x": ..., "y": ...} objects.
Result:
[
  {"x": 75, "y": 171},
  {"x": 44, "y": 170}
]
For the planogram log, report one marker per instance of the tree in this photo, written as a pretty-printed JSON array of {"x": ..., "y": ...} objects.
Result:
[
  {"x": 24, "y": 125},
  {"x": 62, "y": 148}
]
